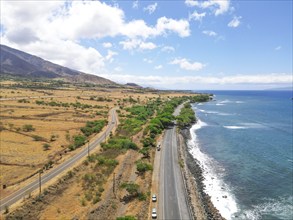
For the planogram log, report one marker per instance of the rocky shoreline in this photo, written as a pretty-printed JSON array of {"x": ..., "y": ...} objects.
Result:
[{"x": 201, "y": 205}]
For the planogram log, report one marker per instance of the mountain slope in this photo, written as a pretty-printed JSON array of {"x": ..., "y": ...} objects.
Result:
[{"x": 18, "y": 63}]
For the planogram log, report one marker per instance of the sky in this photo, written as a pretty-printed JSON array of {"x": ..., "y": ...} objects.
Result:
[{"x": 175, "y": 44}]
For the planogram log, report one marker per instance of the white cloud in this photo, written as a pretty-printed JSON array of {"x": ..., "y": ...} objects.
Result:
[
  {"x": 197, "y": 16},
  {"x": 81, "y": 20},
  {"x": 151, "y": 8},
  {"x": 191, "y": 3},
  {"x": 54, "y": 30},
  {"x": 138, "y": 28},
  {"x": 147, "y": 46},
  {"x": 192, "y": 82},
  {"x": 118, "y": 69},
  {"x": 135, "y": 4},
  {"x": 218, "y": 7},
  {"x": 235, "y": 22},
  {"x": 147, "y": 60},
  {"x": 168, "y": 49},
  {"x": 110, "y": 55},
  {"x": 158, "y": 67},
  {"x": 210, "y": 33},
  {"x": 186, "y": 65},
  {"x": 137, "y": 44},
  {"x": 278, "y": 48},
  {"x": 181, "y": 27},
  {"x": 107, "y": 45}
]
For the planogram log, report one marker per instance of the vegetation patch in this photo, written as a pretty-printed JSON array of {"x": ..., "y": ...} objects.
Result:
[{"x": 119, "y": 142}]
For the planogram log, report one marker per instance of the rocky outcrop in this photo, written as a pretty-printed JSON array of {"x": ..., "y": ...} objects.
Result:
[{"x": 201, "y": 205}]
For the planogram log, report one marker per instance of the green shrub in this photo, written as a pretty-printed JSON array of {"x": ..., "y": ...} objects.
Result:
[
  {"x": 127, "y": 217},
  {"x": 119, "y": 143},
  {"x": 38, "y": 138},
  {"x": 46, "y": 146},
  {"x": 143, "y": 167},
  {"x": 79, "y": 140},
  {"x": 28, "y": 128}
]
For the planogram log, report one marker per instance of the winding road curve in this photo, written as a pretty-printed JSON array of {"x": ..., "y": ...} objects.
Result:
[{"x": 16, "y": 196}]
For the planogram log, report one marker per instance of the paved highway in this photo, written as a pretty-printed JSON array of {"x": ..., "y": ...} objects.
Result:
[
  {"x": 16, "y": 196},
  {"x": 172, "y": 195}
]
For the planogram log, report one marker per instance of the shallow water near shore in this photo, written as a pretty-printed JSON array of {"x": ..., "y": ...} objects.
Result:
[{"x": 243, "y": 143}]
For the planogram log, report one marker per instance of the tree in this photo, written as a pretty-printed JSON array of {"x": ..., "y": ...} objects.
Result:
[
  {"x": 131, "y": 188},
  {"x": 143, "y": 167},
  {"x": 145, "y": 152}
]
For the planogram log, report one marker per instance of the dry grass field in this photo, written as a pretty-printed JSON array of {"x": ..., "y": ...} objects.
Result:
[{"x": 37, "y": 127}]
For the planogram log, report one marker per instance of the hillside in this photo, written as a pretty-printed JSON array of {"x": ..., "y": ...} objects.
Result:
[{"x": 18, "y": 63}]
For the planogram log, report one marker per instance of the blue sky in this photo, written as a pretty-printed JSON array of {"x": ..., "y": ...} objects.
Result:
[{"x": 186, "y": 44}]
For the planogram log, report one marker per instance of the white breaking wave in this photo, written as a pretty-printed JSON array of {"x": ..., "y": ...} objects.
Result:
[
  {"x": 235, "y": 127},
  {"x": 281, "y": 208},
  {"x": 214, "y": 112},
  {"x": 220, "y": 193},
  {"x": 244, "y": 126}
]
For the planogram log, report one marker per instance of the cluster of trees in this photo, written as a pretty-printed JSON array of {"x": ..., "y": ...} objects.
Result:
[
  {"x": 78, "y": 141},
  {"x": 93, "y": 127},
  {"x": 93, "y": 182},
  {"x": 67, "y": 105},
  {"x": 162, "y": 121},
  {"x": 200, "y": 98},
  {"x": 119, "y": 142},
  {"x": 186, "y": 116},
  {"x": 136, "y": 119},
  {"x": 133, "y": 190},
  {"x": 100, "y": 99}
]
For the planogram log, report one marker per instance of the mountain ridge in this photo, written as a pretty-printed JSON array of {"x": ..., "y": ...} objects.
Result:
[{"x": 19, "y": 63}]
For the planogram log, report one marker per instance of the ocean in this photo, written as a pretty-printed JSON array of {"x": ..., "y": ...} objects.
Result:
[{"x": 243, "y": 143}]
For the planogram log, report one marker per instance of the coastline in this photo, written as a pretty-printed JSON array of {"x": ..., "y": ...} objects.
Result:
[{"x": 200, "y": 202}]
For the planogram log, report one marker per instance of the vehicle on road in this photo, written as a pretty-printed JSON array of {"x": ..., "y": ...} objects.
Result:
[
  {"x": 154, "y": 198},
  {"x": 154, "y": 213}
]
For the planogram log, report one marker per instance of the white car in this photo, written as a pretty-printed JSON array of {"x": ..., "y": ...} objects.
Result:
[
  {"x": 154, "y": 213},
  {"x": 154, "y": 198}
]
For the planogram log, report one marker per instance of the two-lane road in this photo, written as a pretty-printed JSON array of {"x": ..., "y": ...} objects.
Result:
[
  {"x": 172, "y": 201},
  {"x": 16, "y": 196},
  {"x": 172, "y": 196}
]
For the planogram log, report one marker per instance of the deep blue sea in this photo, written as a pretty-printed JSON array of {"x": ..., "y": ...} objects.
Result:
[{"x": 243, "y": 142}]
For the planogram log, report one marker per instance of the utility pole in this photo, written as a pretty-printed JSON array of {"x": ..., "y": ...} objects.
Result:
[
  {"x": 88, "y": 148},
  {"x": 40, "y": 182},
  {"x": 114, "y": 184}
]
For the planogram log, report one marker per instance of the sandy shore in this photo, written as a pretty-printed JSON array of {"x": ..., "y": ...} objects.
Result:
[{"x": 200, "y": 202}]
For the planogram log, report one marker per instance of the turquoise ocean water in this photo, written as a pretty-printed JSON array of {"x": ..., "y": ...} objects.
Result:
[{"x": 243, "y": 142}]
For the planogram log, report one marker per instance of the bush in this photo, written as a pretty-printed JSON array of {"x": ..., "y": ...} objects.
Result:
[
  {"x": 46, "y": 146},
  {"x": 131, "y": 188},
  {"x": 142, "y": 197},
  {"x": 127, "y": 217},
  {"x": 143, "y": 167},
  {"x": 93, "y": 127},
  {"x": 119, "y": 143},
  {"x": 28, "y": 128},
  {"x": 38, "y": 138},
  {"x": 79, "y": 140}
]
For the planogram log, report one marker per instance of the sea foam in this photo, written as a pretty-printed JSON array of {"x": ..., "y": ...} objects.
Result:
[
  {"x": 282, "y": 208},
  {"x": 220, "y": 192}
]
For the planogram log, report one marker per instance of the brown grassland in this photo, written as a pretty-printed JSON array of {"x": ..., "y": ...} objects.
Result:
[{"x": 35, "y": 131}]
